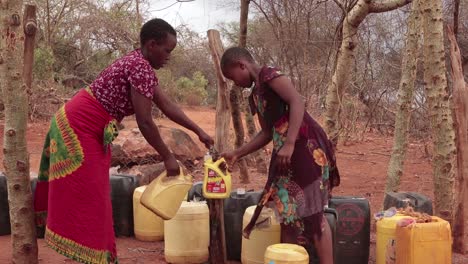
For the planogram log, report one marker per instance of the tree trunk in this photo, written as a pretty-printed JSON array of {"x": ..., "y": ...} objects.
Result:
[
  {"x": 460, "y": 98},
  {"x": 48, "y": 26},
  {"x": 405, "y": 99},
  {"x": 138, "y": 18},
  {"x": 456, "y": 12},
  {"x": 235, "y": 99},
  {"x": 440, "y": 114},
  {"x": 244, "y": 17},
  {"x": 217, "y": 237},
  {"x": 15, "y": 81},
  {"x": 345, "y": 57},
  {"x": 236, "y": 102},
  {"x": 251, "y": 129}
]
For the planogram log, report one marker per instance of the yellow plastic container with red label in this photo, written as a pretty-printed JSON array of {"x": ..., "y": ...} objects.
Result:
[{"x": 217, "y": 181}]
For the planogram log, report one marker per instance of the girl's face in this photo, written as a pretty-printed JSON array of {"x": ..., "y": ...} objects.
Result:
[
  {"x": 239, "y": 74},
  {"x": 158, "y": 52}
]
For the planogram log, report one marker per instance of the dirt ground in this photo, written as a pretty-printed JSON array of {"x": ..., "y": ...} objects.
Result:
[{"x": 363, "y": 168}]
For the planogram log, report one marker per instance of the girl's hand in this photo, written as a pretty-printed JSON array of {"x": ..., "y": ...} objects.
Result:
[
  {"x": 284, "y": 156},
  {"x": 205, "y": 139},
  {"x": 230, "y": 157}
]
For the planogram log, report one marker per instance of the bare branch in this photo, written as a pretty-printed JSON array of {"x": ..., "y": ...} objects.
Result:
[
  {"x": 340, "y": 5},
  {"x": 380, "y": 6}
]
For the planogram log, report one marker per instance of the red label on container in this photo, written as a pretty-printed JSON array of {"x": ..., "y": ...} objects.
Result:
[
  {"x": 215, "y": 184},
  {"x": 350, "y": 219}
]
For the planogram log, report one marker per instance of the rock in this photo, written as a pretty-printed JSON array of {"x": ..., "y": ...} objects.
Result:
[
  {"x": 145, "y": 173},
  {"x": 130, "y": 148}
]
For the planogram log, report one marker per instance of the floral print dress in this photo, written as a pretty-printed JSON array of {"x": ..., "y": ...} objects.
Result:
[{"x": 300, "y": 194}]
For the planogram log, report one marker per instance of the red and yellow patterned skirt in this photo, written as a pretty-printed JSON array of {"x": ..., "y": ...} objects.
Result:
[{"x": 72, "y": 198}]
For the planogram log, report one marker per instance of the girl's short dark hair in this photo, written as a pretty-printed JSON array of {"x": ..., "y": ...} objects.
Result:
[
  {"x": 233, "y": 54},
  {"x": 156, "y": 29}
]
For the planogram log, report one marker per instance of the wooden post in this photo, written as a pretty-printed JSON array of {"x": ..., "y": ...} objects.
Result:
[
  {"x": 460, "y": 98},
  {"x": 217, "y": 236}
]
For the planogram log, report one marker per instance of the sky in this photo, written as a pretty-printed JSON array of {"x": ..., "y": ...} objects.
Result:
[{"x": 199, "y": 15}]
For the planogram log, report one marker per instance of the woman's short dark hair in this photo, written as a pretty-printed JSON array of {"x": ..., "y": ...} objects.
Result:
[{"x": 156, "y": 29}]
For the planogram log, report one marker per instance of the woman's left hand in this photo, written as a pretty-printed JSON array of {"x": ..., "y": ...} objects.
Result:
[
  {"x": 284, "y": 155},
  {"x": 205, "y": 139}
]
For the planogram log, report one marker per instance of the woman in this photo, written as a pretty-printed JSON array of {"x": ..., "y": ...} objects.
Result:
[{"x": 73, "y": 194}]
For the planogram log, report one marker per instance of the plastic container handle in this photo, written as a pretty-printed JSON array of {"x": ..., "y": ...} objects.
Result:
[
  {"x": 219, "y": 162},
  {"x": 181, "y": 175}
]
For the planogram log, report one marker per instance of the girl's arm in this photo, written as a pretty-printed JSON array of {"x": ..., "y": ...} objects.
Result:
[
  {"x": 173, "y": 112},
  {"x": 285, "y": 89},
  {"x": 259, "y": 141}
]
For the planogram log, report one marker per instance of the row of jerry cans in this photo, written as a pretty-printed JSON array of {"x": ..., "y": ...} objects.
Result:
[{"x": 348, "y": 217}]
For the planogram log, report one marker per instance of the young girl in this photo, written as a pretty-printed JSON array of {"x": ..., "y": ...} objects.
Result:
[
  {"x": 302, "y": 169},
  {"x": 72, "y": 196}
]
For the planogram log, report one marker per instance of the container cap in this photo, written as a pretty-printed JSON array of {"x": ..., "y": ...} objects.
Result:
[{"x": 240, "y": 191}]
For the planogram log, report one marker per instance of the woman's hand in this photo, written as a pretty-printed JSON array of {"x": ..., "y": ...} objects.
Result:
[
  {"x": 283, "y": 158},
  {"x": 205, "y": 139},
  {"x": 172, "y": 166}
]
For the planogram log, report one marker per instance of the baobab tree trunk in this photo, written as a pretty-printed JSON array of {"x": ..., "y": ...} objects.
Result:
[
  {"x": 460, "y": 98},
  {"x": 15, "y": 81},
  {"x": 405, "y": 99},
  {"x": 440, "y": 115},
  {"x": 345, "y": 58}
]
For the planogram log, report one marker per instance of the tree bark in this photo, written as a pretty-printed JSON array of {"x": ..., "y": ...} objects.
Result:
[
  {"x": 15, "y": 81},
  {"x": 440, "y": 115},
  {"x": 405, "y": 99},
  {"x": 345, "y": 58},
  {"x": 217, "y": 237},
  {"x": 460, "y": 98}
]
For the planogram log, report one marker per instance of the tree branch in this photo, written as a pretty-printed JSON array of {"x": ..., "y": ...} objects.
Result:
[
  {"x": 379, "y": 6},
  {"x": 341, "y": 6}
]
